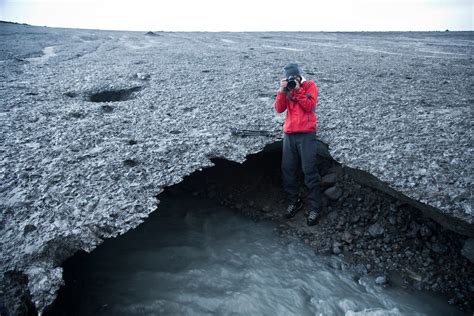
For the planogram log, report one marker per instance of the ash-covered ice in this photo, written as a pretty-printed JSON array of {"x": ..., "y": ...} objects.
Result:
[{"x": 73, "y": 172}]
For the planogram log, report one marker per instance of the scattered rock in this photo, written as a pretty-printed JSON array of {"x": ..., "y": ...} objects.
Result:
[
  {"x": 381, "y": 280},
  {"x": 77, "y": 115},
  {"x": 150, "y": 33},
  {"x": 336, "y": 265},
  {"x": 376, "y": 230},
  {"x": 328, "y": 180},
  {"x": 130, "y": 162},
  {"x": 143, "y": 76},
  {"x": 468, "y": 249},
  {"x": 333, "y": 193},
  {"x": 355, "y": 218},
  {"x": 28, "y": 228},
  {"x": 413, "y": 230},
  {"x": 392, "y": 219},
  {"x": 361, "y": 269},
  {"x": 107, "y": 108},
  {"x": 71, "y": 94},
  {"x": 347, "y": 237},
  {"x": 471, "y": 287},
  {"x": 439, "y": 247},
  {"x": 425, "y": 231},
  {"x": 212, "y": 194},
  {"x": 413, "y": 275}
]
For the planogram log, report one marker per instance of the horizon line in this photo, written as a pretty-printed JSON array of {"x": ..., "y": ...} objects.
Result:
[{"x": 227, "y": 31}]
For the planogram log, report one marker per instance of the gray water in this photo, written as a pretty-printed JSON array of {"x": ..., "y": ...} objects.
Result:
[{"x": 196, "y": 258}]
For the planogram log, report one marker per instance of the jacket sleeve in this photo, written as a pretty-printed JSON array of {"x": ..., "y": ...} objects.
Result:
[
  {"x": 307, "y": 99},
  {"x": 281, "y": 102}
]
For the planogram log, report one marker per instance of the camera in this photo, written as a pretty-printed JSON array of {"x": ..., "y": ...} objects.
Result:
[{"x": 291, "y": 83}]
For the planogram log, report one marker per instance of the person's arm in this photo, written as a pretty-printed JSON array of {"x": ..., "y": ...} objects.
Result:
[
  {"x": 281, "y": 101},
  {"x": 307, "y": 99}
]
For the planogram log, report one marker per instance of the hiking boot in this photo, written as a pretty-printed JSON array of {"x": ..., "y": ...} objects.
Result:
[
  {"x": 293, "y": 208},
  {"x": 313, "y": 217}
]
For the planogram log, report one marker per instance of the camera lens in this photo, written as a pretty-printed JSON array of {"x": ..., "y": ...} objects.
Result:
[{"x": 291, "y": 84}]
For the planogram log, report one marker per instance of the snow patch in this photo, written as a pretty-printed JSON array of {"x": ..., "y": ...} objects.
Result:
[
  {"x": 48, "y": 52},
  {"x": 284, "y": 48}
]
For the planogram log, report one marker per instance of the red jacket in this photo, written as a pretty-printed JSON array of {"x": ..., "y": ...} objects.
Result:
[{"x": 300, "y": 116}]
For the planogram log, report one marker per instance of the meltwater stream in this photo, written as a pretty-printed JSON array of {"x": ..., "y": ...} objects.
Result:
[{"x": 193, "y": 257}]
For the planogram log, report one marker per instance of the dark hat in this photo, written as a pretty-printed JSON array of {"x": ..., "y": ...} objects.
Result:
[{"x": 292, "y": 70}]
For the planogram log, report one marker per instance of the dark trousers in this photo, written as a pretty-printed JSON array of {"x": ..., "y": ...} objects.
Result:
[{"x": 300, "y": 149}]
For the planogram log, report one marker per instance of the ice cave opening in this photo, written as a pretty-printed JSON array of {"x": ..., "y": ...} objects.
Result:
[{"x": 218, "y": 243}]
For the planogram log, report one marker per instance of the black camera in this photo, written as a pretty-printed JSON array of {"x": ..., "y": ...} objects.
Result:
[{"x": 291, "y": 83}]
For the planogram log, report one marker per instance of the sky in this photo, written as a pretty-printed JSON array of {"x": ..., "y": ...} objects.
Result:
[{"x": 244, "y": 15}]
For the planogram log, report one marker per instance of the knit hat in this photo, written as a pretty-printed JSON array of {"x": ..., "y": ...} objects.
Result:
[{"x": 292, "y": 70}]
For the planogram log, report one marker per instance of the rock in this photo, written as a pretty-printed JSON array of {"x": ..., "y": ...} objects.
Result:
[
  {"x": 468, "y": 249},
  {"x": 355, "y": 218},
  {"x": 143, "y": 76},
  {"x": 211, "y": 194},
  {"x": 439, "y": 247},
  {"x": 332, "y": 216},
  {"x": 341, "y": 222},
  {"x": 336, "y": 248},
  {"x": 328, "y": 180},
  {"x": 425, "y": 253},
  {"x": 29, "y": 228},
  {"x": 425, "y": 231},
  {"x": 347, "y": 237},
  {"x": 471, "y": 287},
  {"x": 459, "y": 295},
  {"x": 360, "y": 268},
  {"x": 435, "y": 287},
  {"x": 413, "y": 230},
  {"x": 333, "y": 193},
  {"x": 150, "y": 33},
  {"x": 357, "y": 232},
  {"x": 381, "y": 280},
  {"x": 413, "y": 275},
  {"x": 266, "y": 209},
  {"x": 392, "y": 219},
  {"x": 376, "y": 230},
  {"x": 336, "y": 265}
]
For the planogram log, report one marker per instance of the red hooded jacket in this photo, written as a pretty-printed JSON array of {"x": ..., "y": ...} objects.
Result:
[{"x": 300, "y": 115}]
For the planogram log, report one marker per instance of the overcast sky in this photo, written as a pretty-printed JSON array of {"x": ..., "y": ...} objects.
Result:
[{"x": 244, "y": 15}]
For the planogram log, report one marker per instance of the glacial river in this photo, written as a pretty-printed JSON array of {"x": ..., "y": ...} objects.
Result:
[{"x": 193, "y": 257}]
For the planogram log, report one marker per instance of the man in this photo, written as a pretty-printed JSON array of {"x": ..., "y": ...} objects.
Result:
[{"x": 299, "y": 97}]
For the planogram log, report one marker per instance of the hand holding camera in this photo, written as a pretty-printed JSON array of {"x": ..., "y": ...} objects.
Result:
[
  {"x": 291, "y": 83},
  {"x": 283, "y": 85}
]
